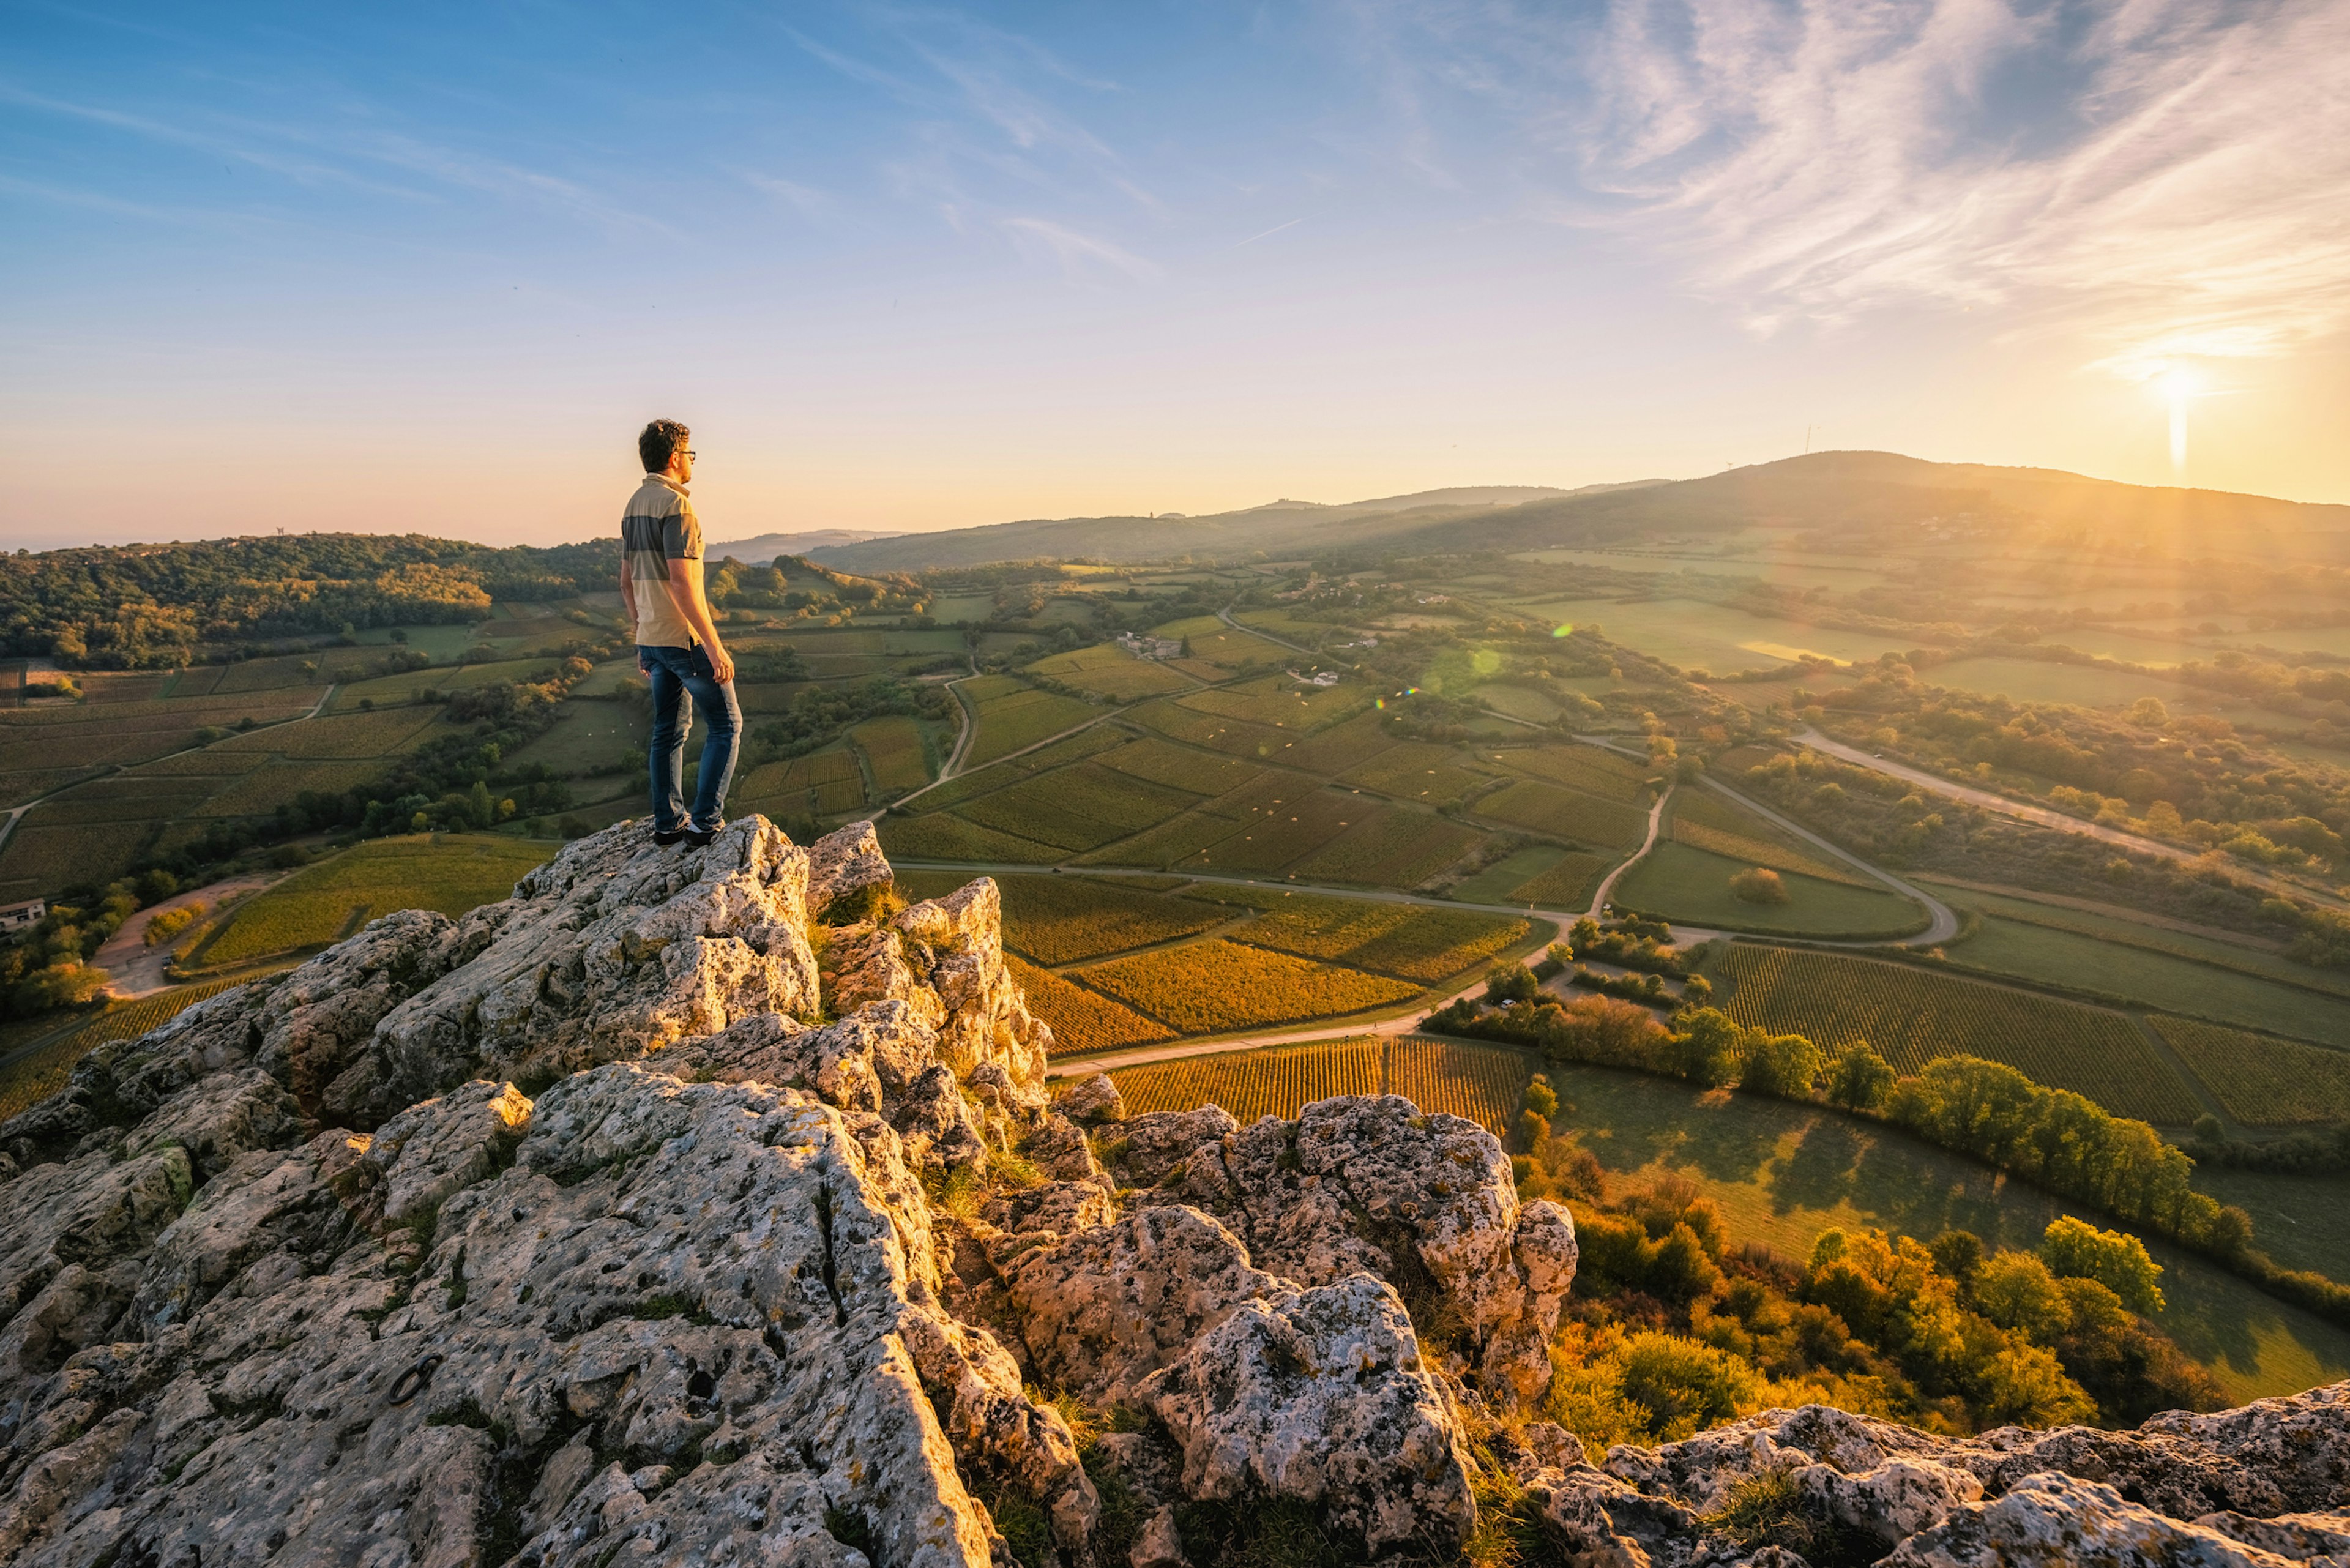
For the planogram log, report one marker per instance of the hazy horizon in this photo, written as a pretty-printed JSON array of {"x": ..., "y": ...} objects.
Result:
[{"x": 908, "y": 270}]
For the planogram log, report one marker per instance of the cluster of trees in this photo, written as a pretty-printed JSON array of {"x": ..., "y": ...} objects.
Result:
[
  {"x": 2052, "y": 1137},
  {"x": 46, "y": 965},
  {"x": 772, "y": 586},
  {"x": 137, "y": 607},
  {"x": 1672, "y": 1329},
  {"x": 2189, "y": 779}
]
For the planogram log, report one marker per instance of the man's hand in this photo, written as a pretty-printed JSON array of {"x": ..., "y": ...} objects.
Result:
[{"x": 721, "y": 663}]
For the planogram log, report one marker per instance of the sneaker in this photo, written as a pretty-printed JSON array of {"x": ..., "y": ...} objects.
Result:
[
  {"x": 700, "y": 838},
  {"x": 665, "y": 837}
]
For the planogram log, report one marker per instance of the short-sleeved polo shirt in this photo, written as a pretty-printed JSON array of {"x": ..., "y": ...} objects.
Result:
[{"x": 659, "y": 528}]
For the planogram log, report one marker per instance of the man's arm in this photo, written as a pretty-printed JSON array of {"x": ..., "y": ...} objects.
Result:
[
  {"x": 628, "y": 611},
  {"x": 685, "y": 591}
]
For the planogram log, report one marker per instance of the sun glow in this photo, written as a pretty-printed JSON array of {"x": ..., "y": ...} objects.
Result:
[{"x": 2180, "y": 385}]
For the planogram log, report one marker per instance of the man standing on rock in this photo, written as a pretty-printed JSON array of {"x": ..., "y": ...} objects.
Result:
[{"x": 677, "y": 645}]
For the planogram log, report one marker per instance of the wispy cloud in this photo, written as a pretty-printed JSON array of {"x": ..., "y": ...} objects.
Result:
[
  {"x": 1080, "y": 256},
  {"x": 2166, "y": 177}
]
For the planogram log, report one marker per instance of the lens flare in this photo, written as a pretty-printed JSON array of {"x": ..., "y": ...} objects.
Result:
[{"x": 1567, "y": 629}]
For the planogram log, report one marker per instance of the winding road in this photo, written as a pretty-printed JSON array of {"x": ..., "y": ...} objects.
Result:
[{"x": 2042, "y": 817}]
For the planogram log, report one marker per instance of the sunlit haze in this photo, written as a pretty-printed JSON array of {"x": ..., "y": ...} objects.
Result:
[{"x": 429, "y": 267}]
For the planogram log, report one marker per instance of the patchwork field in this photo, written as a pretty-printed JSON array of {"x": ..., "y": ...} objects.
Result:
[
  {"x": 1212, "y": 986},
  {"x": 1911, "y": 1016},
  {"x": 822, "y": 783},
  {"x": 1694, "y": 635},
  {"x": 452, "y": 873},
  {"x": 1014, "y": 715},
  {"x": 1081, "y": 1020},
  {"x": 897, "y": 752},
  {"x": 1055, "y": 920},
  {"x": 1540, "y": 807},
  {"x": 1411, "y": 941},
  {"x": 1389, "y": 846},
  {"x": 1485, "y": 1084}
]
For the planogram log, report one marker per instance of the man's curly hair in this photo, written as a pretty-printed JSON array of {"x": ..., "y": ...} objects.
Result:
[{"x": 661, "y": 439}]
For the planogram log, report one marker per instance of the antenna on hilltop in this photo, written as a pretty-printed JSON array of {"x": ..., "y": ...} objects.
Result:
[{"x": 1808, "y": 439}]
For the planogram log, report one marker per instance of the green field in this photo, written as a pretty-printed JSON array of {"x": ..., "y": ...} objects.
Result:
[
  {"x": 2120, "y": 926},
  {"x": 822, "y": 783},
  {"x": 1912, "y": 1015},
  {"x": 1695, "y": 635},
  {"x": 448, "y": 872},
  {"x": 1495, "y": 883},
  {"x": 1690, "y": 886},
  {"x": 2083, "y": 685},
  {"x": 1541, "y": 806},
  {"x": 1704, "y": 819},
  {"x": 895, "y": 752},
  {"x": 1109, "y": 670},
  {"x": 1389, "y": 846},
  {"x": 42, "y": 1072},
  {"x": 1782, "y": 1173},
  {"x": 2061, "y": 957},
  {"x": 1013, "y": 716},
  {"x": 1586, "y": 768}
]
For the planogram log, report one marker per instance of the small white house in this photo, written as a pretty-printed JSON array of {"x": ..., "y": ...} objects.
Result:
[{"x": 16, "y": 917}]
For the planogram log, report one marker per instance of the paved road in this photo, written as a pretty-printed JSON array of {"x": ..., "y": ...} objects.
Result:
[
  {"x": 1225, "y": 615},
  {"x": 1608, "y": 885},
  {"x": 1944, "y": 921},
  {"x": 2045, "y": 819}
]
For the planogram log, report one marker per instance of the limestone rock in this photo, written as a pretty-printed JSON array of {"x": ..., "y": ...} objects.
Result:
[
  {"x": 1321, "y": 1395},
  {"x": 842, "y": 864},
  {"x": 1096, "y": 1099},
  {"x": 431, "y": 1149},
  {"x": 2055, "y": 1521},
  {"x": 605, "y": 953},
  {"x": 1367, "y": 1184}
]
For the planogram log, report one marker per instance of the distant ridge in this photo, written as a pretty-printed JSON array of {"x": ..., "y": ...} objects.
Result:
[
  {"x": 1282, "y": 526},
  {"x": 1853, "y": 496},
  {"x": 768, "y": 546}
]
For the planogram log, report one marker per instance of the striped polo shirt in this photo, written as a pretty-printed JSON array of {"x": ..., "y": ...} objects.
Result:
[{"x": 659, "y": 528}]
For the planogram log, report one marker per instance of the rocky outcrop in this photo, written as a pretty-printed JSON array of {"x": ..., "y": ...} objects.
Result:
[
  {"x": 1368, "y": 1185},
  {"x": 708, "y": 1205},
  {"x": 2259, "y": 1485}
]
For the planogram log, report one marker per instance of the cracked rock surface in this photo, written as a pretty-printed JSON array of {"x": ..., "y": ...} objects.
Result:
[{"x": 707, "y": 1207}]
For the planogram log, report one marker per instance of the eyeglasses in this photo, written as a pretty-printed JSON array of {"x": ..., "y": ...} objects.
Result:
[{"x": 692, "y": 453}]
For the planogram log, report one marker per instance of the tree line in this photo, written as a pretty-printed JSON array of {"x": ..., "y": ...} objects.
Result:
[{"x": 2054, "y": 1138}]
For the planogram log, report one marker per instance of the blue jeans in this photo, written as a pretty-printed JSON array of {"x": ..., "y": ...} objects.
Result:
[{"x": 674, "y": 671}]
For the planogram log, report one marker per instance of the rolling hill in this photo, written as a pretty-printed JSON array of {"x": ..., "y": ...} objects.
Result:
[{"x": 1853, "y": 498}]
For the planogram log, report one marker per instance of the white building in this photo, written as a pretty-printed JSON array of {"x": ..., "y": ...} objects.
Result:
[{"x": 16, "y": 917}]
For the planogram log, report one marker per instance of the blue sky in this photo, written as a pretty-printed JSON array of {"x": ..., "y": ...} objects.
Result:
[{"x": 429, "y": 266}]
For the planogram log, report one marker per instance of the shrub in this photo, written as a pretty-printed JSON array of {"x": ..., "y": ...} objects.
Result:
[
  {"x": 2016, "y": 1290},
  {"x": 1758, "y": 884},
  {"x": 1683, "y": 1384}
]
